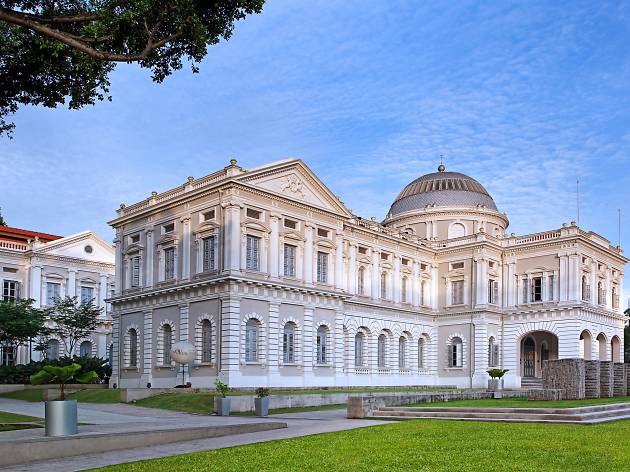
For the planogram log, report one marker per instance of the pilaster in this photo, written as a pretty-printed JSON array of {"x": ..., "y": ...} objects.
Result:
[
  {"x": 339, "y": 279},
  {"x": 148, "y": 256},
  {"x": 273, "y": 340},
  {"x": 71, "y": 290},
  {"x": 147, "y": 347},
  {"x": 230, "y": 337},
  {"x": 274, "y": 258},
  {"x": 352, "y": 268},
  {"x": 186, "y": 246},
  {"x": 339, "y": 354},
  {"x": 308, "y": 254},
  {"x": 308, "y": 348}
]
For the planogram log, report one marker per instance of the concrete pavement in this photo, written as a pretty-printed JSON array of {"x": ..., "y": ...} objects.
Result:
[{"x": 122, "y": 417}]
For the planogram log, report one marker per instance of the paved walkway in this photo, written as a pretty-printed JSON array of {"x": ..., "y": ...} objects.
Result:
[{"x": 121, "y": 417}]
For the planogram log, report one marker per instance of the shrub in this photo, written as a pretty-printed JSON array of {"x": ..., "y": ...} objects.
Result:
[
  {"x": 497, "y": 373},
  {"x": 262, "y": 392},
  {"x": 21, "y": 373},
  {"x": 222, "y": 388}
]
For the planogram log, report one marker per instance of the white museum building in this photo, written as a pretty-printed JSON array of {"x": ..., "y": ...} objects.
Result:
[
  {"x": 277, "y": 283},
  {"x": 42, "y": 267}
]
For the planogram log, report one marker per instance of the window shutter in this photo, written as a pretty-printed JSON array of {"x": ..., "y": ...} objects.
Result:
[
  {"x": 450, "y": 355},
  {"x": 496, "y": 355},
  {"x": 495, "y": 292}
]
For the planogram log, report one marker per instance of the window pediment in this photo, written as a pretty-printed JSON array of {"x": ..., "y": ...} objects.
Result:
[
  {"x": 167, "y": 240},
  {"x": 323, "y": 242},
  {"x": 206, "y": 228},
  {"x": 256, "y": 226},
  {"x": 292, "y": 235},
  {"x": 134, "y": 248}
]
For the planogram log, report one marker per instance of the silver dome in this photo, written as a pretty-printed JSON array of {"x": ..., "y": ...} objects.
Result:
[{"x": 442, "y": 189}]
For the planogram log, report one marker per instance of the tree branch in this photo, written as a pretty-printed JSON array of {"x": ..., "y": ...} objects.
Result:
[{"x": 19, "y": 19}]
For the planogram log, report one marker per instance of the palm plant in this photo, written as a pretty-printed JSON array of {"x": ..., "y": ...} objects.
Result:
[{"x": 63, "y": 375}]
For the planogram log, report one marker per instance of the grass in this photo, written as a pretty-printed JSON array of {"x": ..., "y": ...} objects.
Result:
[
  {"x": 422, "y": 445},
  {"x": 7, "y": 418},
  {"x": 301, "y": 409},
  {"x": 86, "y": 396},
  {"x": 525, "y": 403}
]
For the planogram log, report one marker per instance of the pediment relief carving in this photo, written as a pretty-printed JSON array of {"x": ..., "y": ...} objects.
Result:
[
  {"x": 256, "y": 226},
  {"x": 133, "y": 248},
  {"x": 292, "y": 235}
]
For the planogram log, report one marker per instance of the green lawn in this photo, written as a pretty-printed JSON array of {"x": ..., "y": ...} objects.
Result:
[
  {"x": 422, "y": 445},
  {"x": 525, "y": 403},
  {"x": 86, "y": 396},
  {"x": 6, "y": 417}
]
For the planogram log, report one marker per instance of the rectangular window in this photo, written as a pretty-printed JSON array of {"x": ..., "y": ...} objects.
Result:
[
  {"x": 169, "y": 228},
  {"x": 404, "y": 261},
  {"x": 322, "y": 233},
  {"x": 493, "y": 291},
  {"x": 208, "y": 253},
  {"x": 289, "y": 260},
  {"x": 134, "y": 239},
  {"x": 251, "y": 213},
  {"x": 457, "y": 294},
  {"x": 135, "y": 271},
  {"x": 169, "y": 263},
  {"x": 53, "y": 291},
  {"x": 253, "y": 253},
  {"x": 550, "y": 295},
  {"x": 362, "y": 250},
  {"x": 321, "y": 347},
  {"x": 537, "y": 289},
  {"x": 457, "y": 265},
  {"x": 384, "y": 256},
  {"x": 87, "y": 294},
  {"x": 290, "y": 224},
  {"x": 322, "y": 267},
  {"x": 208, "y": 215},
  {"x": 10, "y": 290}
]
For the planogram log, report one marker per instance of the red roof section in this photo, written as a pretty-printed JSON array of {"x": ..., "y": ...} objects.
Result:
[{"x": 22, "y": 235}]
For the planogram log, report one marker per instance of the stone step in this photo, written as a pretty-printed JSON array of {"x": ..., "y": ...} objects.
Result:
[{"x": 574, "y": 410}]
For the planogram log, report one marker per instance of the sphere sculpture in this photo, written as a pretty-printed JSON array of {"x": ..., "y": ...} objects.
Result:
[{"x": 183, "y": 352}]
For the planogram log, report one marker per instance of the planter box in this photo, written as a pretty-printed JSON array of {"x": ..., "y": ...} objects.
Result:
[
  {"x": 261, "y": 406},
  {"x": 493, "y": 385},
  {"x": 222, "y": 405},
  {"x": 61, "y": 417}
]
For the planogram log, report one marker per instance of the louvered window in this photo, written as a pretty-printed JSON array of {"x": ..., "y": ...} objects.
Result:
[
  {"x": 251, "y": 341},
  {"x": 402, "y": 352},
  {"x": 358, "y": 350},
  {"x": 288, "y": 343},
  {"x": 289, "y": 260},
  {"x": 455, "y": 354},
  {"x": 361, "y": 281},
  {"x": 421, "y": 353},
  {"x": 10, "y": 290},
  {"x": 167, "y": 341},
  {"x": 52, "y": 292},
  {"x": 253, "y": 253},
  {"x": 169, "y": 263},
  {"x": 209, "y": 253},
  {"x": 206, "y": 341},
  {"x": 133, "y": 348},
  {"x": 322, "y": 267},
  {"x": 135, "y": 271},
  {"x": 382, "y": 351},
  {"x": 457, "y": 288},
  {"x": 322, "y": 339},
  {"x": 493, "y": 291}
]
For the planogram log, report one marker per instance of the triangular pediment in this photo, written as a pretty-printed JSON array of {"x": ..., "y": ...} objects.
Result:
[
  {"x": 293, "y": 179},
  {"x": 85, "y": 245}
]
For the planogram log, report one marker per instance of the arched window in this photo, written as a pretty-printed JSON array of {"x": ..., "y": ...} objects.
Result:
[
  {"x": 615, "y": 348},
  {"x": 493, "y": 352},
  {"x": 322, "y": 347},
  {"x": 359, "y": 340},
  {"x": 384, "y": 285},
  {"x": 382, "y": 351},
  {"x": 456, "y": 230},
  {"x": 167, "y": 341},
  {"x": 133, "y": 347},
  {"x": 402, "y": 352},
  {"x": 421, "y": 353},
  {"x": 455, "y": 353},
  {"x": 288, "y": 343},
  {"x": 206, "y": 341},
  {"x": 361, "y": 281},
  {"x": 403, "y": 294},
  {"x": 52, "y": 349},
  {"x": 602, "y": 342},
  {"x": 251, "y": 340},
  {"x": 85, "y": 349},
  {"x": 585, "y": 345}
]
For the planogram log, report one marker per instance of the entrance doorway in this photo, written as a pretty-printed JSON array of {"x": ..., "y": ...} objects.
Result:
[{"x": 529, "y": 358}]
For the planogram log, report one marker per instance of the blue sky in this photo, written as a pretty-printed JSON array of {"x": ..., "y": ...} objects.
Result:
[{"x": 524, "y": 97}]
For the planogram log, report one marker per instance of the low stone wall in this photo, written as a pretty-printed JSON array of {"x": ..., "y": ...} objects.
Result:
[
  {"x": 361, "y": 406},
  {"x": 592, "y": 379},
  {"x": 606, "y": 379},
  {"x": 620, "y": 388},
  {"x": 7, "y": 388},
  {"x": 565, "y": 374},
  {"x": 548, "y": 394}
]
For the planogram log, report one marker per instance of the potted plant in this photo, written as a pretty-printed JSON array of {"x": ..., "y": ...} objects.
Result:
[
  {"x": 222, "y": 402},
  {"x": 61, "y": 414},
  {"x": 495, "y": 382},
  {"x": 261, "y": 402}
]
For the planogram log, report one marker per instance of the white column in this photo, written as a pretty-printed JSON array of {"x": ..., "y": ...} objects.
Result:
[
  {"x": 434, "y": 229},
  {"x": 307, "y": 345},
  {"x": 376, "y": 274},
  {"x": 512, "y": 285},
  {"x": 186, "y": 247},
  {"x": 564, "y": 278},
  {"x": 147, "y": 347},
  {"x": 434, "y": 286},
  {"x": 230, "y": 338},
  {"x": 36, "y": 286},
  {"x": 428, "y": 231},
  {"x": 397, "y": 280},
  {"x": 339, "y": 279},
  {"x": 573, "y": 276},
  {"x": 119, "y": 263},
  {"x": 416, "y": 284},
  {"x": 102, "y": 292},
  {"x": 480, "y": 375},
  {"x": 482, "y": 281},
  {"x": 593, "y": 283},
  {"x": 352, "y": 268},
  {"x": 308, "y": 255},
  {"x": 72, "y": 283},
  {"x": 273, "y": 340},
  {"x": 114, "y": 379},
  {"x": 232, "y": 243},
  {"x": 148, "y": 256},
  {"x": 274, "y": 256},
  {"x": 608, "y": 287}
]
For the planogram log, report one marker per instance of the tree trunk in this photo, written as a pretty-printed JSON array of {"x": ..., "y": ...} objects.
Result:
[{"x": 62, "y": 392}]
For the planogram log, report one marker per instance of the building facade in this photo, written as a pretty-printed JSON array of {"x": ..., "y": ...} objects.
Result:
[
  {"x": 42, "y": 267},
  {"x": 276, "y": 283}
]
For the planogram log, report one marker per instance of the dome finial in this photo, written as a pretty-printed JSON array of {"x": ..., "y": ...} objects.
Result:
[{"x": 441, "y": 167}]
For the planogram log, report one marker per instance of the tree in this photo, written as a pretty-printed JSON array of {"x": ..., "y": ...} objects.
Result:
[
  {"x": 63, "y": 375},
  {"x": 19, "y": 323},
  {"x": 72, "y": 321},
  {"x": 53, "y": 51},
  {"x": 2, "y": 222}
]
